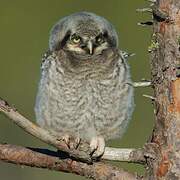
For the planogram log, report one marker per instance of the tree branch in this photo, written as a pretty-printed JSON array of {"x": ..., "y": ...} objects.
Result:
[
  {"x": 66, "y": 160},
  {"x": 142, "y": 84},
  {"x": 124, "y": 155},
  {"x": 82, "y": 153},
  {"x": 56, "y": 161}
]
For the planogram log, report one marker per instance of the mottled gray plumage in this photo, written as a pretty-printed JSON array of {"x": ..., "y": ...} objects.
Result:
[{"x": 82, "y": 94}]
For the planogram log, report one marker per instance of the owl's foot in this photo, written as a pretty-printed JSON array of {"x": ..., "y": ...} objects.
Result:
[
  {"x": 72, "y": 143},
  {"x": 97, "y": 146}
]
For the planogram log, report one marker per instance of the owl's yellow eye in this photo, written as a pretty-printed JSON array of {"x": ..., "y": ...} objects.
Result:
[
  {"x": 75, "y": 39},
  {"x": 100, "y": 40}
]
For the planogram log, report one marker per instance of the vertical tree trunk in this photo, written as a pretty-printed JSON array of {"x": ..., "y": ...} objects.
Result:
[{"x": 165, "y": 64}]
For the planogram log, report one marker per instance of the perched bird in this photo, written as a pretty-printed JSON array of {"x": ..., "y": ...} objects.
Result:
[{"x": 84, "y": 90}]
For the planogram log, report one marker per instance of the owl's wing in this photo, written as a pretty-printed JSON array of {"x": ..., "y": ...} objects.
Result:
[{"x": 47, "y": 58}]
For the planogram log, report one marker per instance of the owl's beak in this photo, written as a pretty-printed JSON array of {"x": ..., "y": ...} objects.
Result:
[{"x": 90, "y": 47}]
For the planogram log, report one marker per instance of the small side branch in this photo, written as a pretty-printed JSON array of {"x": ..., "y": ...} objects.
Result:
[
  {"x": 82, "y": 153},
  {"x": 142, "y": 84},
  {"x": 144, "y": 10}
]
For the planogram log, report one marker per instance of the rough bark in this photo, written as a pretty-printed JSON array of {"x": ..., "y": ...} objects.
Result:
[
  {"x": 41, "y": 158},
  {"x": 165, "y": 62}
]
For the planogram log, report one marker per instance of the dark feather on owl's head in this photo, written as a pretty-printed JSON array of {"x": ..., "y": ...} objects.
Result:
[{"x": 83, "y": 33}]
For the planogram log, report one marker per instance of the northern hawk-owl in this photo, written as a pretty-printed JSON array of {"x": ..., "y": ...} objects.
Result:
[{"x": 84, "y": 90}]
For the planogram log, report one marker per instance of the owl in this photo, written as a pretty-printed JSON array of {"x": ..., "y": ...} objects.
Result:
[{"x": 84, "y": 89}]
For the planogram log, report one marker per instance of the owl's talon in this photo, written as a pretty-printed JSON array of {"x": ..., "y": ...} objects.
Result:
[
  {"x": 72, "y": 143},
  {"x": 97, "y": 146},
  {"x": 66, "y": 139},
  {"x": 77, "y": 142}
]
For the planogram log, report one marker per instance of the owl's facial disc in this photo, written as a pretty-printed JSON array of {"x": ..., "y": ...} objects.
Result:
[{"x": 87, "y": 45}]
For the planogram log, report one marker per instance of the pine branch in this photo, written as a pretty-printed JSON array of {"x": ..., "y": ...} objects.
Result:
[{"x": 51, "y": 160}]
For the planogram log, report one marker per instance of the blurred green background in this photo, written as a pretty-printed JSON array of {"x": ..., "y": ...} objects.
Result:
[{"x": 24, "y": 31}]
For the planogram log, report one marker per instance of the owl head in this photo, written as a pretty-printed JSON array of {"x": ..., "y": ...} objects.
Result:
[{"x": 83, "y": 34}]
